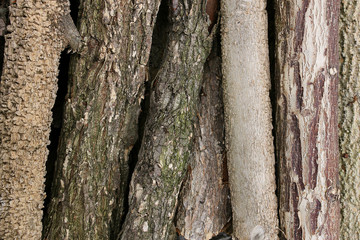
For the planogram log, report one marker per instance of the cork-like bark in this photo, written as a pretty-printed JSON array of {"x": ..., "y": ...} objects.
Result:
[
  {"x": 168, "y": 137},
  {"x": 204, "y": 207},
  {"x": 100, "y": 120},
  {"x": 306, "y": 118},
  {"x": 250, "y": 150},
  {"x": 27, "y": 93},
  {"x": 349, "y": 116}
]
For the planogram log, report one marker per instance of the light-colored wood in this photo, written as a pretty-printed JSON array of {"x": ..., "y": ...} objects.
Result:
[
  {"x": 349, "y": 119},
  {"x": 250, "y": 149}
]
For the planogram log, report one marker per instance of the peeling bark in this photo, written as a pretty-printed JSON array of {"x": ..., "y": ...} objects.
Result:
[
  {"x": 100, "y": 124},
  {"x": 306, "y": 117},
  {"x": 204, "y": 207},
  {"x": 168, "y": 137},
  {"x": 27, "y": 93},
  {"x": 250, "y": 149},
  {"x": 349, "y": 113}
]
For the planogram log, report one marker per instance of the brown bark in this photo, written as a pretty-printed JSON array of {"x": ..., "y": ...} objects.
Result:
[
  {"x": 27, "y": 93},
  {"x": 100, "y": 123},
  {"x": 4, "y": 21},
  {"x": 306, "y": 118},
  {"x": 168, "y": 138},
  {"x": 204, "y": 207}
]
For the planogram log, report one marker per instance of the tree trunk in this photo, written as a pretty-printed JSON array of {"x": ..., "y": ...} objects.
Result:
[
  {"x": 100, "y": 124},
  {"x": 250, "y": 148},
  {"x": 27, "y": 94},
  {"x": 306, "y": 118},
  {"x": 168, "y": 137},
  {"x": 204, "y": 207},
  {"x": 4, "y": 21},
  {"x": 349, "y": 110}
]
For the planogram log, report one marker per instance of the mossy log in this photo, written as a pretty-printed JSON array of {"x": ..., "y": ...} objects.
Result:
[
  {"x": 105, "y": 90},
  {"x": 204, "y": 203},
  {"x": 168, "y": 138}
]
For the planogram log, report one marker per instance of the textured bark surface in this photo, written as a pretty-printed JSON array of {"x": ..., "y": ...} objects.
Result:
[
  {"x": 306, "y": 116},
  {"x": 4, "y": 17},
  {"x": 4, "y": 21},
  {"x": 27, "y": 94},
  {"x": 349, "y": 116},
  {"x": 204, "y": 207},
  {"x": 100, "y": 124},
  {"x": 250, "y": 149},
  {"x": 168, "y": 137}
]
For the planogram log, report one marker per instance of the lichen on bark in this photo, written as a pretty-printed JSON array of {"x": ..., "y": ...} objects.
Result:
[
  {"x": 349, "y": 112},
  {"x": 168, "y": 138},
  {"x": 27, "y": 93},
  {"x": 204, "y": 202},
  {"x": 100, "y": 123}
]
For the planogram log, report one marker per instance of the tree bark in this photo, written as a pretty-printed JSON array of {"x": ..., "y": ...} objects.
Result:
[
  {"x": 349, "y": 110},
  {"x": 100, "y": 124},
  {"x": 4, "y": 21},
  {"x": 306, "y": 118},
  {"x": 250, "y": 149},
  {"x": 168, "y": 137},
  {"x": 27, "y": 94},
  {"x": 204, "y": 207}
]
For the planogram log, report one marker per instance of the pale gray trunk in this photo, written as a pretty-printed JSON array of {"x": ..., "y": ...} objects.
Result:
[
  {"x": 349, "y": 119},
  {"x": 249, "y": 140}
]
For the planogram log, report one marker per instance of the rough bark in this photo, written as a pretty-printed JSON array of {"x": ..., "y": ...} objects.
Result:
[
  {"x": 4, "y": 21},
  {"x": 306, "y": 118},
  {"x": 168, "y": 137},
  {"x": 250, "y": 150},
  {"x": 100, "y": 119},
  {"x": 204, "y": 207},
  {"x": 349, "y": 113},
  {"x": 27, "y": 93}
]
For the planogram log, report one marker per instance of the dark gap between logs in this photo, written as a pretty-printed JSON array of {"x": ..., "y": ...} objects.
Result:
[
  {"x": 57, "y": 111},
  {"x": 274, "y": 86}
]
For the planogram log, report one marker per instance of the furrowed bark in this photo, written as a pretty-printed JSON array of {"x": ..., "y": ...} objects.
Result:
[
  {"x": 168, "y": 137},
  {"x": 100, "y": 125},
  {"x": 4, "y": 21},
  {"x": 349, "y": 113},
  {"x": 250, "y": 150},
  {"x": 204, "y": 207},
  {"x": 306, "y": 117},
  {"x": 27, "y": 93}
]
